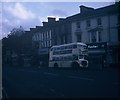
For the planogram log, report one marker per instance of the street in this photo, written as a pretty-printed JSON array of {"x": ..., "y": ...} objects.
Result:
[{"x": 28, "y": 82}]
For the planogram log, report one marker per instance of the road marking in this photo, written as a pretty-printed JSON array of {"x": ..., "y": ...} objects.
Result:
[
  {"x": 89, "y": 79},
  {"x": 50, "y": 74}
]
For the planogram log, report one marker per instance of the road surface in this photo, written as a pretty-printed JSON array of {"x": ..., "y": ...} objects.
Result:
[{"x": 27, "y": 82}]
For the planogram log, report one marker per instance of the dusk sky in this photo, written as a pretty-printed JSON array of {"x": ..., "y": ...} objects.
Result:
[{"x": 32, "y": 14}]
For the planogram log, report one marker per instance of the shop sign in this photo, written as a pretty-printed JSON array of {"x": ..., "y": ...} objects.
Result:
[{"x": 97, "y": 46}]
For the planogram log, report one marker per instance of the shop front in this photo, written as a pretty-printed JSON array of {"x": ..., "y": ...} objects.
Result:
[
  {"x": 97, "y": 53},
  {"x": 113, "y": 56}
]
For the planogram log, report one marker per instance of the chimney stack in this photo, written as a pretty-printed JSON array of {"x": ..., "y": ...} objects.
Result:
[
  {"x": 44, "y": 23},
  {"x": 84, "y": 9},
  {"x": 51, "y": 20},
  {"x": 61, "y": 19}
]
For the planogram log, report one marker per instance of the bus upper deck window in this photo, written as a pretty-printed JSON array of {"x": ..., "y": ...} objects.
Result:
[
  {"x": 62, "y": 47},
  {"x": 69, "y": 47},
  {"x": 57, "y": 48},
  {"x": 74, "y": 46},
  {"x": 54, "y": 49},
  {"x": 66, "y": 47},
  {"x": 75, "y": 57}
]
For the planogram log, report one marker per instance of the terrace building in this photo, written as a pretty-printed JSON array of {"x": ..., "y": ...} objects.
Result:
[{"x": 99, "y": 28}]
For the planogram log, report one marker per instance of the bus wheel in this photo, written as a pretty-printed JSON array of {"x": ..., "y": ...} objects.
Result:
[
  {"x": 55, "y": 65},
  {"x": 75, "y": 65}
]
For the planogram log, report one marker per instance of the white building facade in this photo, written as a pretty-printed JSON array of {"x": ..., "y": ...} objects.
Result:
[{"x": 97, "y": 27}]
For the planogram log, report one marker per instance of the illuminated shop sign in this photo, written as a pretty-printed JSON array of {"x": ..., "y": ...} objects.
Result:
[
  {"x": 92, "y": 46},
  {"x": 97, "y": 46}
]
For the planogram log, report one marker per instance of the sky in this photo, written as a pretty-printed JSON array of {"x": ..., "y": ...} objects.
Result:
[{"x": 32, "y": 14}]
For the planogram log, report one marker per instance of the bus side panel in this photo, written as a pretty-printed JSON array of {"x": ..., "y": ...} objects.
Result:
[
  {"x": 75, "y": 51},
  {"x": 65, "y": 64},
  {"x": 51, "y": 63}
]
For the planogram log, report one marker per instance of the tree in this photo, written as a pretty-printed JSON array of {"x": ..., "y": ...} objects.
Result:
[
  {"x": 13, "y": 42},
  {"x": 17, "y": 32}
]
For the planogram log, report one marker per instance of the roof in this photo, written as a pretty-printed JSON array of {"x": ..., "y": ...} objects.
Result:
[
  {"x": 96, "y": 12},
  {"x": 80, "y": 43}
]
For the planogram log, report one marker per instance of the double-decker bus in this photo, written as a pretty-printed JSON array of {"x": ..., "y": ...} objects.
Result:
[{"x": 69, "y": 55}]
